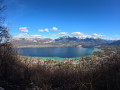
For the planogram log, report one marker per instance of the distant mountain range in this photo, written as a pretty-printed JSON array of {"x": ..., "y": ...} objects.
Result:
[
  {"x": 67, "y": 39},
  {"x": 32, "y": 41},
  {"x": 61, "y": 41},
  {"x": 116, "y": 43}
]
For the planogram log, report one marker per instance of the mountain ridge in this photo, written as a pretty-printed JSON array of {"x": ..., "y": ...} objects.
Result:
[
  {"x": 116, "y": 43},
  {"x": 61, "y": 41}
]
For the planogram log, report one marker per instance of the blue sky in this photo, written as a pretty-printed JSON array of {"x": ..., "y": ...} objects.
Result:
[{"x": 55, "y": 18}]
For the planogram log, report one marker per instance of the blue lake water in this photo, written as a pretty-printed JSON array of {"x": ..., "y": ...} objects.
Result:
[{"x": 57, "y": 52}]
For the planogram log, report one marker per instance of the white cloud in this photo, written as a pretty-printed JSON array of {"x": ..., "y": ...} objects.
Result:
[
  {"x": 41, "y": 30},
  {"x": 77, "y": 34},
  {"x": 80, "y": 35},
  {"x": 25, "y": 35},
  {"x": 46, "y": 30},
  {"x": 23, "y": 29},
  {"x": 83, "y": 36},
  {"x": 98, "y": 35},
  {"x": 112, "y": 38},
  {"x": 54, "y": 28},
  {"x": 62, "y": 33},
  {"x": 36, "y": 36},
  {"x": 53, "y": 35},
  {"x": 59, "y": 34},
  {"x": 22, "y": 35}
]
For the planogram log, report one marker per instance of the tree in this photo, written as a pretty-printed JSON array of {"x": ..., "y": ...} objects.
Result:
[
  {"x": 4, "y": 32},
  {"x": 6, "y": 51}
]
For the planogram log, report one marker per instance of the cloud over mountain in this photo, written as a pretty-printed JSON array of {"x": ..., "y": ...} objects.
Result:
[
  {"x": 22, "y": 35},
  {"x": 62, "y": 33},
  {"x": 26, "y": 35},
  {"x": 59, "y": 34},
  {"x": 36, "y": 36},
  {"x": 98, "y": 35},
  {"x": 77, "y": 34},
  {"x": 83, "y": 36}
]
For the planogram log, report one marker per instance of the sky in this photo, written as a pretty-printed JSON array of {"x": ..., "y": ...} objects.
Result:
[{"x": 56, "y": 18}]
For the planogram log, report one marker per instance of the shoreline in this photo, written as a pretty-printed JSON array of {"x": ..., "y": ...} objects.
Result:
[
  {"x": 45, "y": 46},
  {"x": 63, "y": 59},
  {"x": 62, "y": 45}
]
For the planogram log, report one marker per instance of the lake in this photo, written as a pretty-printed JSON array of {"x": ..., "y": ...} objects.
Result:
[{"x": 57, "y": 52}]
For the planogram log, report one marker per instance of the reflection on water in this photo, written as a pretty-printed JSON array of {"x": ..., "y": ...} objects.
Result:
[{"x": 62, "y": 52}]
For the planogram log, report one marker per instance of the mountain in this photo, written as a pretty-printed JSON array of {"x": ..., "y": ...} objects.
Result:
[
  {"x": 66, "y": 39},
  {"x": 116, "y": 43},
  {"x": 111, "y": 41},
  {"x": 61, "y": 41},
  {"x": 31, "y": 41},
  {"x": 92, "y": 41}
]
